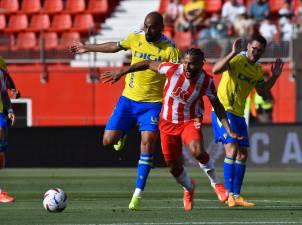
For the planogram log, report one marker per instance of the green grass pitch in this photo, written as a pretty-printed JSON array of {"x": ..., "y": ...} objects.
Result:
[{"x": 101, "y": 196}]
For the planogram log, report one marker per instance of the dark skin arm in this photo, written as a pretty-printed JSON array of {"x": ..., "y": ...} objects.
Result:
[
  {"x": 108, "y": 47},
  {"x": 221, "y": 114},
  {"x": 11, "y": 85},
  {"x": 113, "y": 76},
  {"x": 7, "y": 106}
]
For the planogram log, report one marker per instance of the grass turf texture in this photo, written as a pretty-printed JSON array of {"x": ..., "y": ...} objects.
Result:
[{"x": 101, "y": 196}]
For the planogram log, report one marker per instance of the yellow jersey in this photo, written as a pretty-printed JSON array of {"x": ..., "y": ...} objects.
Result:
[
  {"x": 192, "y": 6},
  {"x": 147, "y": 86},
  {"x": 237, "y": 82}
]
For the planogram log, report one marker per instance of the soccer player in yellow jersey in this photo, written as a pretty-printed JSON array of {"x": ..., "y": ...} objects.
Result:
[
  {"x": 241, "y": 73},
  {"x": 141, "y": 100}
]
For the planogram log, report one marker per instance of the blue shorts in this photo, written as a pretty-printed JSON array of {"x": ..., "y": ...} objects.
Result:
[
  {"x": 128, "y": 113},
  {"x": 3, "y": 126},
  {"x": 238, "y": 125}
]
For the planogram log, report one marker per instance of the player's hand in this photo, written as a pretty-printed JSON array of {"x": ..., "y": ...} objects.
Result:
[
  {"x": 277, "y": 67},
  {"x": 16, "y": 94},
  {"x": 236, "y": 136},
  {"x": 77, "y": 47},
  {"x": 11, "y": 116},
  {"x": 111, "y": 77},
  {"x": 237, "y": 46}
]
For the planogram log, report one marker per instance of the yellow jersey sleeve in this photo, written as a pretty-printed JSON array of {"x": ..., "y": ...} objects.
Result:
[
  {"x": 126, "y": 43},
  {"x": 237, "y": 82},
  {"x": 147, "y": 86}
]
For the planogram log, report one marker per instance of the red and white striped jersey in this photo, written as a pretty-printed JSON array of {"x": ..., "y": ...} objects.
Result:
[{"x": 183, "y": 97}]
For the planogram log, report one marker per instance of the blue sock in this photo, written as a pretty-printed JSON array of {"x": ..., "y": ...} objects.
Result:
[
  {"x": 238, "y": 176},
  {"x": 228, "y": 171},
  {"x": 145, "y": 164}
]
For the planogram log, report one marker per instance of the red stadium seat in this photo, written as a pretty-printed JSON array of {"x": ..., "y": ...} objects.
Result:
[
  {"x": 213, "y": 6},
  {"x": 53, "y": 6},
  {"x": 39, "y": 22},
  {"x": 275, "y": 5},
  {"x": 61, "y": 22},
  {"x": 26, "y": 40},
  {"x": 51, "y": 40},
  {"x": 30, "y": 6},
  {"x": 75, "y": 6},
  {"x": 183, "y": 40},
  {"x": 163, "y": 6},
  {"x": 2, "y": 22},
  {"x": 68, "y": 38},
  {"x": 9, "y": 6},
  {"x": 17, "y": 23},
  {"x": 98, "y": 7},
  {"x": 83, "y": 23}
]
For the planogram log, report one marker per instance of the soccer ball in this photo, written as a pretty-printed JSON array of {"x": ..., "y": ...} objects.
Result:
[{"x": 55, "y": 200}]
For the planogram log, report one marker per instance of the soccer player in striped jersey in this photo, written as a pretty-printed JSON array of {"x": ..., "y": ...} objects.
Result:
[
  {"x": 182, "y": 112},
  {"x": 4, "y": 104},
  {"x": 241, "y": 73},
  {"x": 141, "y": 100}
]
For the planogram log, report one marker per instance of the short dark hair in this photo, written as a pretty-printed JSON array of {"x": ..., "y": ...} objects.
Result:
[
  {"x": 259, "y": 38},
  {"x": 195, "y": 52}
]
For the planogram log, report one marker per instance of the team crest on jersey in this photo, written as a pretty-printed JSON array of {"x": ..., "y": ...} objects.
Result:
[
  {"x": 181, "y": 95},
  {"x": 154, "y": 120}
]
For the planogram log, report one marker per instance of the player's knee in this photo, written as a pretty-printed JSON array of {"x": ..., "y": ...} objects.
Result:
[
  {"x": 242, "y": 155},
  {"x": 175, "y": 168},
  {"x": 107, "y": 140},
  {"x": 231, "y": 149},
  {"x": 147, "y": 146}
]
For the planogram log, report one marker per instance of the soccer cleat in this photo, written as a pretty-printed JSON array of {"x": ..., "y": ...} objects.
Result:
[
  {"x": 135, "y": 203},
  {"x": 5, "y": 198},
  {"x": 242, "y": 202},
  {"x": 221, "y": 192},
  {"x": 120, "y": 144},
  {"x": 188, "y": 198},
  {"x": 231, "y": 200}
]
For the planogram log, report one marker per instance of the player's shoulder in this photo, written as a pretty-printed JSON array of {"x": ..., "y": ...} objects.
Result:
[{"x": 167, "y": 41}]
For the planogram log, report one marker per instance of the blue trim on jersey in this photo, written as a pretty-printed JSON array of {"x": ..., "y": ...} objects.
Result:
[
  {"x": 128, "y": 113},
  {"x": 238, "y": 125}
]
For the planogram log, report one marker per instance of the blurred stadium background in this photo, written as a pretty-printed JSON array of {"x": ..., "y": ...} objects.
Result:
[{"x": 64, "y": 108}]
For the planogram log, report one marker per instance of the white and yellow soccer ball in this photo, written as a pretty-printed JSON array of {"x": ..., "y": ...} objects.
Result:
[{"x": 55, "y": 200}]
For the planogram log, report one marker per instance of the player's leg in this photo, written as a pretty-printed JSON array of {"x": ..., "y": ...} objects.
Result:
[
  {"x": 120, "y": 122},
  {"x": 4, "y": 197},
  {"x": 172, "y": 151},
  {"x": 147, "y": 118},
  {"x": 192, "y": 137},
  {"x": 240, "y": 166}
]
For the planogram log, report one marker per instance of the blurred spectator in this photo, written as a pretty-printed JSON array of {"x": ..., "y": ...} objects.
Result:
[
  {"x": 268, "y": 29},
  {"x": 192, "y": 17},
  {"x": 173, "y": 11},
  {"x": 286, "y": 25},
  {"x": 264, "y": 105},
  {"x": 259, "y": 10},
  {"x": 231, "y": 9},
  {"x": 298, "y": 17},
  {"x": 243, "y": 25},
  {"x": 216, "y": 30}
]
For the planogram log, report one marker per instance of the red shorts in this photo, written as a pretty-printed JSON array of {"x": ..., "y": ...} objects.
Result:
[{"x": 173, "y": 135}]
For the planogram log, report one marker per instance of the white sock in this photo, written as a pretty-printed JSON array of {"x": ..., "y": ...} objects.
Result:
[
  {"x": 209, "y": 170},
  {"x": 184, "y": 180},
  {"x": 138, "y": 192}
]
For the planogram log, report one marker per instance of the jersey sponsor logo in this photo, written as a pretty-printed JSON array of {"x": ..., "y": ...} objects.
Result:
[
  {"x": 146, "y": 56},
  {"x": 181, "y": 95},
  {"x": 246, "y": 79}
]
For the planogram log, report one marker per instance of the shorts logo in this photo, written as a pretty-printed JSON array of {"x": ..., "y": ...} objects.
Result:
[
  {"x": 197, "y": 123},
  {"x": 154, "y": 120}
]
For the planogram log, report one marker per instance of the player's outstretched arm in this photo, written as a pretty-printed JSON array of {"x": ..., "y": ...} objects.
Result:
[
  {"x": 221, "y": 114},
  {"x": 114, "y": 76},
  {"x": 222, "y": 64},
  {"x": 11, "y": 85},
  {"x": 276, "y": 70},
  {"x": 78, "y": 47}
]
